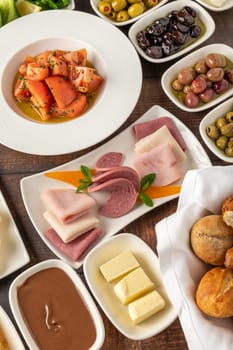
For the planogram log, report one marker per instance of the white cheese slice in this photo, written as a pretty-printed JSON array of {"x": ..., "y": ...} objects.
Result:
[
  {"x": 157, "y": 138},
  {"x": 70, "y": 231}
]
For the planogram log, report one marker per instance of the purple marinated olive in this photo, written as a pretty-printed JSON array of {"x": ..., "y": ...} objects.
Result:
[
  {"x": 207, "y": 95},
  {"x": 215, "y": 74},
  {"x": 191, "y": 100},
  {"x": 214, "y": 60},
  {"x": 221, "y": 86},
  {"x": 198, "y": 84},
  {"x": 229, "y": 75},
  {"x": 201, "y": 67},
  {"x": 186, "y": 75}
]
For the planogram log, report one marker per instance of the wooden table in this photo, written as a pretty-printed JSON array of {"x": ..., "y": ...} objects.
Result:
[{"x": 15, "y": 165}]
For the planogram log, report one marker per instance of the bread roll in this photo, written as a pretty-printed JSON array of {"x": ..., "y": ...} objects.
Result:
[
  {"x": 214, "y": 295},
  {"x": 227, "y": 211},
  {"x": 210, "y": 239}
]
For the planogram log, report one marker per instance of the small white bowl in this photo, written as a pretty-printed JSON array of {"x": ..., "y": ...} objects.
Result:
[
  {"x": 104, "y": 294},
  {"x": 146, "y": 20},
  {"x": 226, "y": 6},
  {"x": 188, "y": 61},
  {"x": 15, "y": 307},
  {"x": 10, "y": 332},
  {"x": 209, "y": 119},
  {"x": 94, "y": 5}
]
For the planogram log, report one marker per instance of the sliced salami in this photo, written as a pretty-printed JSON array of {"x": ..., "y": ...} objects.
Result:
[
  {"x": 146, "y": 128},
  {"x": 118, "y": 172},
  {"x": 108, "y": 161},
  {"x": 122, "y": 197}
]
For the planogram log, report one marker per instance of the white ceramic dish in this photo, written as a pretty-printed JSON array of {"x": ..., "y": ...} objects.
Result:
[
  {"x": 226, "y": 6},
  {"x": 105, "y": 296},
  {"x": 13, "y": 254},
  {"x": 9, "y": 331},
  {"x": 32, "y": 186},
  {"x": 100, "y": 332},
  {"x": 211, "y": 118},
  {"x": 171, "y": 73},
  {"x": 149, "y": 18},
  {"x": 117, "y": 97},
  {"x": 94, "y": 4}
]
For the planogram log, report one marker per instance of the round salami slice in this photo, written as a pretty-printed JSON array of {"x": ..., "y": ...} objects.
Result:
[
  {"x": 108, "y": 161},
  {"x": 117, "y": 172},
  {"x": 122, "y": 197}
]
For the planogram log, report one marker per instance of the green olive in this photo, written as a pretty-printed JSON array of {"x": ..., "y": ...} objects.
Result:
[
  {"x": 186, "y": 89},
  {"x": 229, "y": 151},
  {"x": 227, "y": 129},
  {"x": 112, "y": 15},
  {"x": 230, "y": 142},
  {"x": 151, "y": 3},
  {"x": 176, "y": 85},
  {"x": 221, "y": 142},
  {"x": 213, "y": 132},
  {"x": 229, "y": 117},
  {"x": 104, "y": 7},
  {"x": 118, "y": 5},
  {"x": 133, "y": 1},
  {"x": 122, "y": 16},
  {"x": 221, "y": 122},
  {"x": 136, "y": 9}
]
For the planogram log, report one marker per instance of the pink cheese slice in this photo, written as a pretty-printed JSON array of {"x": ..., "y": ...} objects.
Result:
[
  {"x": 161, "y": 161},
  {"x": 75, "y": 228},
  {"x": 67, "y": 204},
  {"x": 78, "y": 247}
]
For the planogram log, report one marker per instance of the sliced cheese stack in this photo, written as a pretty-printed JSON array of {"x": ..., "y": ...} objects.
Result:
[
  {"x": 132, "y": 286},
  {"x": 73, "y": 226}
]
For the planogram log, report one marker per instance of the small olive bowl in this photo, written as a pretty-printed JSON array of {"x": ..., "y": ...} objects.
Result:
[{"x": 210, "y": 119}]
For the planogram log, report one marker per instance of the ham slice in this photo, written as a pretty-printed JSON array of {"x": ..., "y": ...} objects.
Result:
[
  {"x": 68, "y": 232},
  {"x": 66, "y": 204},
  {"x": 108, "y": 161},
  {"x": 146, "y": 128},
  {"x": 122, "y": 197},
  {"x": 161, "y": 161},
  {"x": 156, "y": 138},
  {"x": 115, "y": 173},
  {"x": 75, "y": 249}
]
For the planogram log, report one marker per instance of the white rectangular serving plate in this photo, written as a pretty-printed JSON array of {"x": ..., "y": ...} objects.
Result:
[
  {"x": 13, "y": 254},
  {"x": 32, "y": 186},
  {"x": 226, "y": 6}
]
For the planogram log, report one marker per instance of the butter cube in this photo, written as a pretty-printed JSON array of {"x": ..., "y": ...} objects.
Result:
[
  {"x": 119, "y": 266},
  {"x": 133, "y": 285},
  {"x": 146, "y": 306}
]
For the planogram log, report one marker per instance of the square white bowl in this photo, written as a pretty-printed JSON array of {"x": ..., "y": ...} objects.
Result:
[
  {"x": 150, "y": 17},
  {"x": 9, "y": 331},
  {"x": 226, "y": 6},
  {"x": 210, "y": 119},
  {"x": 94, "y": 5},
  {"x": 188, "y": 61},
  {"x": 81, "y": 288},
  {"x": 105, "y": 296}
]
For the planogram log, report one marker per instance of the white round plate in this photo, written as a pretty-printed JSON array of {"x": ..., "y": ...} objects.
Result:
[
  {"x": 225, "y": 6},
  {"x": 120, "y": 92},
  {"x": 211, "y": 118},
  {"x": 149, "y": 18}
]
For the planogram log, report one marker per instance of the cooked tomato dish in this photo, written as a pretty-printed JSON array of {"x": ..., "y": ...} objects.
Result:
[{"x": 56, "y": 84}]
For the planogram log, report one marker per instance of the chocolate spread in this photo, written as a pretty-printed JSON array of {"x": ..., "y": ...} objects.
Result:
[{"x": 55, "y": 312}]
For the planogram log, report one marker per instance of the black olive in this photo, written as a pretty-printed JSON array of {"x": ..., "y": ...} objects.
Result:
[
  {"x": 179, "y": 38},
  {"x": 182, "y": 28},
  {"x": 195, "y": 31},
  {"x": 154, "y": 51},
  {"x": 158, "y": 29},
  {"x": 191, "y": 11}
]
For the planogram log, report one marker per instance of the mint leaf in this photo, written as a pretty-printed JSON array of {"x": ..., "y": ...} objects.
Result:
[
  {"x": 146, "y": 199},
  {"x": 86, "y": 172},
  {"x": 147, "y": 181}
]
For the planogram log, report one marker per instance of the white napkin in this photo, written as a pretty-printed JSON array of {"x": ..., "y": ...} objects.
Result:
[{"x": 202, "y": 193}]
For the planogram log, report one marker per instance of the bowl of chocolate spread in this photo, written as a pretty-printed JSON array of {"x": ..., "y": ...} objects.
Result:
[{"x": 54, "y": 310}]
